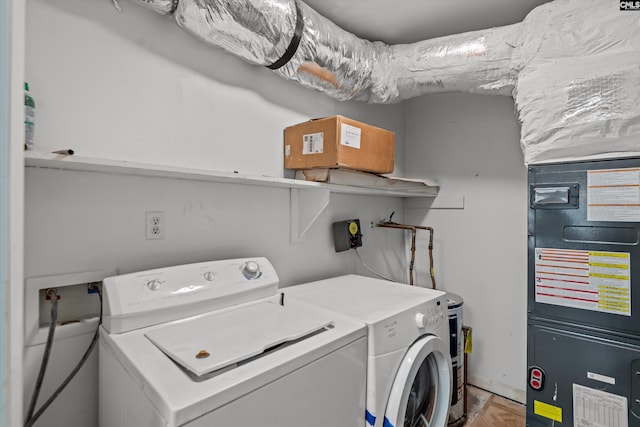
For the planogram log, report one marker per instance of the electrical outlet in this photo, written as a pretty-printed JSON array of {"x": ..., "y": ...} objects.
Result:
[{"x": 154, "y": 225}]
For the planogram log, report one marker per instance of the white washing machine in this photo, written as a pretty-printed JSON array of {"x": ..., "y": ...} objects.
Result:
[
  {"x": 215, "y": 344},
  {"x": 409, "y": 364}
]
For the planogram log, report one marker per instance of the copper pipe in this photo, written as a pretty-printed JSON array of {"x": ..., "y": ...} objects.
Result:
[
  {"x": 413, "y": 229},
  {"x": 413, "y": 256},
  {"x": 431, "y": 269}
]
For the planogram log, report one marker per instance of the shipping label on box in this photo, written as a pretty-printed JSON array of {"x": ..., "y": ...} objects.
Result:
[
  {"x": 313, "y": 143},
  {"x": 350, "y": 135}
]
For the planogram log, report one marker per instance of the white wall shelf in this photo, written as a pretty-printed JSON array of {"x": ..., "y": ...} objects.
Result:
[
  {"x": 308, "y": 199},
  {"x": 123, "y": 167}
]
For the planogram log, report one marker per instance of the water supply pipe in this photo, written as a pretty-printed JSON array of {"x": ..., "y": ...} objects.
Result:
[{"x": 413, "y": 229}]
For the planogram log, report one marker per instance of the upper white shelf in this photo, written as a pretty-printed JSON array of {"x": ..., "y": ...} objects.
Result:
[{"x": 122, "y": 167}]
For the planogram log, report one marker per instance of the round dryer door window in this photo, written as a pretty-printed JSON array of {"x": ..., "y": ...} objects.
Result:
[{"x": 421, "y": 391}]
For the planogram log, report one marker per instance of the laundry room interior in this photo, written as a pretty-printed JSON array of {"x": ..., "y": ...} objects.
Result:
[{"x": 157, "y": 146}]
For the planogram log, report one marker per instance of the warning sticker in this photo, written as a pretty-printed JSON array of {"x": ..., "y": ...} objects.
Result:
[
  {"x": 589, "y": 280},
  {"x": 595, "y": 408},
  {"x": 547, "y": 411},
  {"x": 613, "y": 195}
]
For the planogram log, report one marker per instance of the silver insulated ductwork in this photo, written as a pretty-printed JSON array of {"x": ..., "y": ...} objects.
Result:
[
  {"x": 301, "y": 45},
  {"x": 571, "y": 66}
]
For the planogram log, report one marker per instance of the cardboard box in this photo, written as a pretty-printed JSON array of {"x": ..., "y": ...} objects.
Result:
[{"x": 337, "y": 141}]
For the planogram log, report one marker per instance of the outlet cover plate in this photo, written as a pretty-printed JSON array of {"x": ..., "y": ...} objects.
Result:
[{"x": 154, "y": 225}]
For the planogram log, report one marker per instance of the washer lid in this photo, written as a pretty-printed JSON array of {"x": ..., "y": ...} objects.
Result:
[{"x": 207, "y": 344}]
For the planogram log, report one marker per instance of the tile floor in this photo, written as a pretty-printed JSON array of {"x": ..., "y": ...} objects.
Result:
[{"x": 488, "y": 410}]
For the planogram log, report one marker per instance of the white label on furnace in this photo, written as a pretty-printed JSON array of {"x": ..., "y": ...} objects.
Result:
[
  {"x": 601, "y": 378},
  {"x": 589, "y": 280},
  {"x": 613, "y": 195},
  {"x": 287, "y": 150},
  {"x": 350, "y": 136},
  {"x": 313, "y": 143},
  {"x": 595, "y": 408}
]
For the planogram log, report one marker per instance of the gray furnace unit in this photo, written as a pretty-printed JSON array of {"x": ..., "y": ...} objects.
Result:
[{"x": 583, "y": 337}]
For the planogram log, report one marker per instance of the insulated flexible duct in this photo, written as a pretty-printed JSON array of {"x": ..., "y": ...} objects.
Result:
[
  {"x": 577, "y": 93},
  {"x": 288, "y": 37},
  {"x": 299, "y": 44},
  {"x": 571, "y": 65}
]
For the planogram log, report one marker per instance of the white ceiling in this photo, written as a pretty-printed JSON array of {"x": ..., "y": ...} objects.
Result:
[{"x": 408, "y": 21}]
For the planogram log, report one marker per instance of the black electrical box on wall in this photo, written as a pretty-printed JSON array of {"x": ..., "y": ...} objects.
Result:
[{"x": 346, "y": 235}]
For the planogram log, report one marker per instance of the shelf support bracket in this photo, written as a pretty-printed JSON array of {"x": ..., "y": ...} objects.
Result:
[{"x": 306, "y": 206}]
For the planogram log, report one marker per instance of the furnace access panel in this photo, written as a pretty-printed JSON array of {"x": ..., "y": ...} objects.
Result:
[
  {"x": 583, "y": 337},
  {"x": 584, "y": 254}
]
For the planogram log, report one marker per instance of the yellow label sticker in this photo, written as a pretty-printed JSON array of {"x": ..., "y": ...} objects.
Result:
[
  {"x": 609, "y": 276},
  {"x": 547, "y": 411},
  {"x": 609, "y": 265},
  {"x": 609, "y": 254},
  {"x": 468, "y": 339},
  {"x": 612, "y": 290}
]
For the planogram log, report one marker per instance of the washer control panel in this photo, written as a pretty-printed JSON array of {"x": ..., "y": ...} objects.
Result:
[
  {"x": 430, "y": 316},
  {"x": 178, "y": 291},
  {"x": 251, "y": 270}
]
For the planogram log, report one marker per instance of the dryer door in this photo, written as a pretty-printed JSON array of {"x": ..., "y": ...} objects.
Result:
[{"x": 421, "y": 391}]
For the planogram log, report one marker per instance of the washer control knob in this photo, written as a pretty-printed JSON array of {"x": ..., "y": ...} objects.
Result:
[
  {"x": 153, "y": 284},
  {"x": 251, "y": 270},
  {"x": 421, "y": 320},
  {"x": 209, "y": 276}
]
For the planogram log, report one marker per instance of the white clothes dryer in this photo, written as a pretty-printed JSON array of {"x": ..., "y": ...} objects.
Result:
[
  {"x": 409, "y": 364},
  {"x": 214, "y": 344}
]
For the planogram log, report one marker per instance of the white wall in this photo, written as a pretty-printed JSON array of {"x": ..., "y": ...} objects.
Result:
[
  {"x": 470, "y": 145},
  {"x": 133, "y": 86},
  {"x": 12, "y": 15}
]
